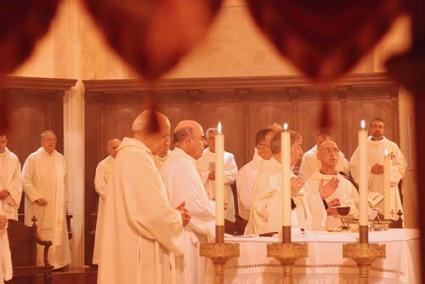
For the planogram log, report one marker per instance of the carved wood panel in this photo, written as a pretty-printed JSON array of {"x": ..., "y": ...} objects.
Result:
[{"x": 243, "y": 105}]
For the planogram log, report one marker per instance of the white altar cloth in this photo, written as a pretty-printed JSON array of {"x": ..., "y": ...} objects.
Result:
[{"x": 325, "y": 263}]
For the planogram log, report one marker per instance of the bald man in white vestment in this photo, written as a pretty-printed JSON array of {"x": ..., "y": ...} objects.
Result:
[
  {"x": 326, "y": 189},
  {"x": 44, "y": 181},
  {"x": 10, "y": 180},
  {"x": 245, "y": 178},
  {"x": 310, "y": 163},
  {"x": 102, "y": 182},
  {"x": 266, "y": 203},
  {"x": 184, "y": 184},
  {"x": 141, "y": 232},
  {"x": 206, "y": 168},
  {"x": 376, "y": 146},
  {"x": 5, "y": 257}
]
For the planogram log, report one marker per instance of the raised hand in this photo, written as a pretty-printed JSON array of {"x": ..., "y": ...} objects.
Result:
[
  {"x": 296, "y": 184},
  {"x": 326, "y": 189},
  {"x": 377, "y": 169},
  {"x": 41, "y": 201}
]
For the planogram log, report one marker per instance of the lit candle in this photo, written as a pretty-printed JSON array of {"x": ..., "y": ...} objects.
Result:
[
  {"x": 219, "y": 177},
  {"x": 286, "y": 176},
  {"x": 387, "y": 186},
  {"x": 363, "y": 179}
]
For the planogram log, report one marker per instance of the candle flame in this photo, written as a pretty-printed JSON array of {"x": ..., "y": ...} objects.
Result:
[
  {"x": 285, "y": 126},
  {"x": 363, "y": 124},
  {"x": 219, "y": 127},
  {"x": 385, "y": 152}
]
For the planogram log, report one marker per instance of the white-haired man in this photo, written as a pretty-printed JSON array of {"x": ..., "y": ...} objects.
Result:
[
  {"x": 44, "y": 181},
  {"x": 184, "y": 184},
  {"x": 141, "y": 231}
]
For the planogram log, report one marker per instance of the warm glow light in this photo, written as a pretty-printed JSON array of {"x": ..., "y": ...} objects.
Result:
[
  {"x": 363, "y": 124},
  {"x": 385, "y": 152},
  {"x": 219, "y": 127},
  {"x": 285, "y": 126}
]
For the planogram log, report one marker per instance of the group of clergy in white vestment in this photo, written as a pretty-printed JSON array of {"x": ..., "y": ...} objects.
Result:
[
  {"x": 157, "y": 206},
  {"x": 43, "y": 179}
]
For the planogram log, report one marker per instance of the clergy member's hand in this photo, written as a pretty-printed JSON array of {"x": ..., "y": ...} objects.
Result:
[
  {"x": 185, "y": 214},
  {"x": 41, "y": 201},
  {"x": 4, "y": 194},
  {"x": 326, "y": 189},
  {"x": 296, "y": 184},
  {"x": 3, "y": 222},
  {"x": 211, "y": 175},
  {"x": 332, "y": 204},
  {"x": 377, "y": 169}
]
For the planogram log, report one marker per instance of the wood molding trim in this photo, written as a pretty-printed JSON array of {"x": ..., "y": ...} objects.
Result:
[{"x": 37, "y": 84}]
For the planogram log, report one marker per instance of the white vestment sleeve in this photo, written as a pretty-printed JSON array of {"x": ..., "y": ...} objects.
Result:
[
  {"x": 146, "y": 208},
  {"x": 354, "y": 165},
  {"x": 244, "y": 189},
  {"x": 398, "y": 168},
  {"x": 230, "y": 169},
  {"x": 28, "y": 172},
  {"x": 100, "y": 181},
  {"x": 15, "y": 186},
  {"x": 181, "y": 188}
]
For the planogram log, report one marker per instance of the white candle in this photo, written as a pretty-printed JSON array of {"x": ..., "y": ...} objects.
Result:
[
  {"x": 363, "y": 179},
  {"x": 387, "y": 186},
  {"x": 219, "y": 177},
  {"x": 285, "y": 140}
]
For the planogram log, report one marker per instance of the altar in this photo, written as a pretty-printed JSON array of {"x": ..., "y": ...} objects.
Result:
[{"x": 325, "y": 263}]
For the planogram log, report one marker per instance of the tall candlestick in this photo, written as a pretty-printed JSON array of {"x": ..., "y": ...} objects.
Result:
[
  {"x": 285, "y": 139},
  {"x": 363, "y": 179},
  {"x": 387, "y": 186},
  {"x": 219, "y": 177}
]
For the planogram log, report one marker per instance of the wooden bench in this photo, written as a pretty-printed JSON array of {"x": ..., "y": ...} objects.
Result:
[{"x": 23, "y": 242}]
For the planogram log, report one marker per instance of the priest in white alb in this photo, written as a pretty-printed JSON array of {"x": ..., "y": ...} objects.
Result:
[
  {"x": 310, "y": 163},
  {"x": 184, "y": 184},
  {"x": 206, "y": 168},
  {"x": 247, "y": 175},
  {"x": 266, "y": 207},
  {"x": 10, "y": 180},
  {"x": 44, "y": 182},
  {"x": 141, "y": 232},
  {"x": 5, "y": 257},
  {"x": 326, "y": 189},
  {"x": 376, "y": 146},
  {"x": 102, "y": 183}
]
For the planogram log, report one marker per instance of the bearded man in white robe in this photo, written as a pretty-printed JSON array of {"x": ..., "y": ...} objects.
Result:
[
  {"x": 326, "y": 189},
  {"x": 44, "y": 176},
  {"x": 102, "y": 182},
  {"x": 310, "y": 163},
  {"x": 265, "y": 216},
  {"x": 246, "y": 176},
  {"x": 10, "y": 180},
  {"x": 141, "y": 232},
  {"x": 206, "y": 168},
  {"x": 376, "y": 146},
  {"x": 5, "y": 257},
  {"x": 184, "y": 184}
]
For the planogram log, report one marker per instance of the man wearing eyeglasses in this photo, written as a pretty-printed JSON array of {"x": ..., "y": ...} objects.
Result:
[
  {"x": 310, "y": 163},
  {"x": 184, "y": 184},
  {"x": 331, "y": 187}
]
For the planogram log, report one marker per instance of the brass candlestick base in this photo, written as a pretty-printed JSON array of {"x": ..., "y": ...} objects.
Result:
[
  {"x": 363, "y": 254},
  {"x": 219, "y": 253},
  {"x": 287, "y": 253}
]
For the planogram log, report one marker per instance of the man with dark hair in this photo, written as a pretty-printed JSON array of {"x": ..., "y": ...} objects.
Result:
[
  {"x": 310, "y": 163},
  {"x": 377, "y": 146},
  {"x": 246, "y": 176}
]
